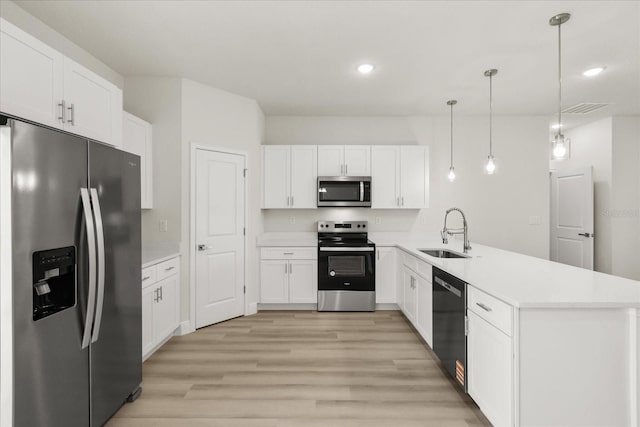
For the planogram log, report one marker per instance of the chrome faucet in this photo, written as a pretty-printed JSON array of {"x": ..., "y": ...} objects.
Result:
[{"x": 449, "y": 232}]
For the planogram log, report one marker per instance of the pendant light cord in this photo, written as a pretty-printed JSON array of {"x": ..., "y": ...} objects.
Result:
[
  {"x": 559, "y": 81},
  {"x": 451, "y": 163},
  {"x": 491, "y": 114}
]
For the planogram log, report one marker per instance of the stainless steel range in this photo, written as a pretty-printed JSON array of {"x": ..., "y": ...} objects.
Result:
[{"x": 346, "y": 267}]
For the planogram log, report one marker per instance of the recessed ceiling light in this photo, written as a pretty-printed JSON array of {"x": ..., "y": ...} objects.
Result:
[
  {"x": 556, "y": 126},
  {"x": 365, "y": 68},
  {"x": 593, "y": 71}
]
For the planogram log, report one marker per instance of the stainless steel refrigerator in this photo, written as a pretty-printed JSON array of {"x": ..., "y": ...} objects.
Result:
[{"x": 70, "y": 268}]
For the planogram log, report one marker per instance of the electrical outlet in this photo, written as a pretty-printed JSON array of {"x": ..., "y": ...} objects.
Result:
[
  {"x": 378, "y": 220},
  {"x": 163, "y": 225},
  {"x": 292, "y": 220}
]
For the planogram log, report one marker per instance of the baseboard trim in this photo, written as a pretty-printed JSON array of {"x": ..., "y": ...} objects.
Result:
[
  {"x": 184, "y": 328},
  {"x": 287, "y": 306},
  {"x": 387, "y": 306}
]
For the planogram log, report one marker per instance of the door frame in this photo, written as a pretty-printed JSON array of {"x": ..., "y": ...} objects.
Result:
[{"x": 192, "y": 226}]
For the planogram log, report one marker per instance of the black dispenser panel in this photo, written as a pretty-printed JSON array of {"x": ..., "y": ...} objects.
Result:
[{"x": 54, "y": 281}]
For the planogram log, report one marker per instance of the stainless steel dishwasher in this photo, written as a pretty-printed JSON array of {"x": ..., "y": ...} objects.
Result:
[{"x": 449, "y": 324}]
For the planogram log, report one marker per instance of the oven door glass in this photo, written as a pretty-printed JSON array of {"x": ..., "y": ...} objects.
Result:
[
  {"x": 347, "y": 266},
  {"x": 344, "y": 271},
  {"x": 339, "y": 191}
]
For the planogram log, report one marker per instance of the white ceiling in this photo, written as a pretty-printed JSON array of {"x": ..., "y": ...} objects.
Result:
[{"x": 299, "y": 58}]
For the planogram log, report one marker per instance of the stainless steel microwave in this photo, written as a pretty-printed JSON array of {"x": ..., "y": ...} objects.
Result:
[{"x": 344, "y": 191}]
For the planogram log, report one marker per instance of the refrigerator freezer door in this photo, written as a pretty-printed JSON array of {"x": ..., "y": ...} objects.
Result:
[
  {"x": 116, "y": 354},
  {"x": 51, "y": 371}
]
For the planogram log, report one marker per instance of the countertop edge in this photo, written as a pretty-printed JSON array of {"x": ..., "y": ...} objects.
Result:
[{"x": 160, "y": 259}]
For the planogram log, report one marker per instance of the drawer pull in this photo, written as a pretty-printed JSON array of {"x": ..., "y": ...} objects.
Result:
[
  {"x": 169, "y": 268},
  {"x": 484, "y": 307},
  {"x": 146, "y": 278},
  {"x": 287, "y": 253}
]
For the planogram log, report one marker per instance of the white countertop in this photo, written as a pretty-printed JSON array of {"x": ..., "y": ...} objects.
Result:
[
  {"x": 520, "y": 280},
  {"x": 158, "y": 252}
]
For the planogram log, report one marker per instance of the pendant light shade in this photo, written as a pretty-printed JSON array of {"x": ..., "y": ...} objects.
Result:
[
  {"x": 559, "y": 144},
  {"x": 452, "y": 174},
  {"x": 490, "y": 166}
]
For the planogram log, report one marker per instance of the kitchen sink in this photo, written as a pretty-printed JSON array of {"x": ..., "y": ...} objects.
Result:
[{"x": 442, "y": 253}]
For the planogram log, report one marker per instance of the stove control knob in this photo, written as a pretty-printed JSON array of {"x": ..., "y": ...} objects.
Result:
[{"x": 332, "y": 273}]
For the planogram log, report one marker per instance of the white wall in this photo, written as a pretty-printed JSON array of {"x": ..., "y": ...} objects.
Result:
[
  {"x": 498, "y": 207},
  {"x": 624, "y": 212},
  {"x": 591, "y": 145},
  {"x": 221, "y": 119},
  {"x": 157, "y": 100},
  {"x": 29, "y": 23}
]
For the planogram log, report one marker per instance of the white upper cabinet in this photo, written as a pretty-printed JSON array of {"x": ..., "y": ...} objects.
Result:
[
  {"x": 290, "y": 176},
  {"x": 344, "y": 160},
  {"x": 414, "y": 177},
  {"x": 304, "y": 176},
  {"x": 137, "y": 139},
  {"x": 399, "y": 176},
  {"x": 94, "y": 105},
  {"x": 277, "y": 176},
  {"x": 357, "y": 160},
  {"x": 30, "y": 77},
  {"x": 330, "y": 160},
  {"x": 385, "y": 176},
  {"x": 39, "y": 84}
]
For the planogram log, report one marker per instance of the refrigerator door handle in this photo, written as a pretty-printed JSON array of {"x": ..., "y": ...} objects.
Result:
[
  {"x": 91, "y": 243},
  {"x": 97, "y": 212}
]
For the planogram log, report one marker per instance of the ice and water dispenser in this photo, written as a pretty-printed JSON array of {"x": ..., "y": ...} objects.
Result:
[{"x": 54, "y": 281}]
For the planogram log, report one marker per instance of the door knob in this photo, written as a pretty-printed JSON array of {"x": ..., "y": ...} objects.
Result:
[
  {"x": 585, "y": 234},
  {"x": 203, "y": 247}
]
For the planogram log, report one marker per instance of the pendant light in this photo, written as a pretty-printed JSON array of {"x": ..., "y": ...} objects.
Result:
[
  {"x": 452, "y": 174},
  {"x": 559, "y": 145},
  {"x": 490, "y": 166}
]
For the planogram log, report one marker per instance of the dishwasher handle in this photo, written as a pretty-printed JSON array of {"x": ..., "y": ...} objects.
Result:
[{"x": 448, "y": 287}]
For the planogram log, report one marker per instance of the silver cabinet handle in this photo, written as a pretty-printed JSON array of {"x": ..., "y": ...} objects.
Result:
[
  {"x": 346, "y": 169},
  {"x": 91, "y": 244},
  {"x": 169, "y": 268},
  {"x": 288, "y": 201},
  {"x": 290, "y": 268},
  {"x": 155, "y": 298},
  {"x": 397, "y": 201},
  {"x": 291, "y": 201},
  {"x": 146, "y": 278},
  {"x": 97, "y": 212},
  {"x": 378, "y": 254},
  {"x": 402, "y": 199},
  {"x": 287, "y": 253},
  {"x": 285, "y": 269},
  {"x": 161, "y": 293},
  {"x": 62, "y": 110},
  {"x": 72, "y": 120},
  {"x": 484, "y": 307}
]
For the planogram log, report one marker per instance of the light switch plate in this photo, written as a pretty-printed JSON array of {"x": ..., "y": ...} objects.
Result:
[{"x": 163, "y": 224}]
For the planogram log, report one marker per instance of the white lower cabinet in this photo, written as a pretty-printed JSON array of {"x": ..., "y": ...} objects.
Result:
[
  {"x": 490, "y": 370},
  {"x": 160, "y": 304},
  {"x": 424, "y": 320},
  {"x": 490, "y": 356},
  {"x": 288, "y": 276},
  {"x": 409, "y": 300},
  {"x": 386, "y": 275}
]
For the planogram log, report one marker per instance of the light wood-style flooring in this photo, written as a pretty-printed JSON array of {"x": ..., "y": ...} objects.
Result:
[{"x": 298, "y": 369}]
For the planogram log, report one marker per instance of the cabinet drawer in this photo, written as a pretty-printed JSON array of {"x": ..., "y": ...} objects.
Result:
[
  {"x": 491, "y": 309},
  {"x": 168, "y": 268},
  {"x": 409, "y": 261},
  {"x": 289, "y": 253},
  {"x": 149, "y": 276},
  {"x": 424, "y": 269}
]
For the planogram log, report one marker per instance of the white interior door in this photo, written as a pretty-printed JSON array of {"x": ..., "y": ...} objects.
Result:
[
  {"x": 219, "y": 232},
  {"x": 572, "y": 217}
]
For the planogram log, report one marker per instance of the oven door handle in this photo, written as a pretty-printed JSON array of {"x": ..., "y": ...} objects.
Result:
[{"x": 329, "y": 249}]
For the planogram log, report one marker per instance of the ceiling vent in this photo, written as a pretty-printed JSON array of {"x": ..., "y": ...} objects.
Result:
[{"x": 584, "y": 108}]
